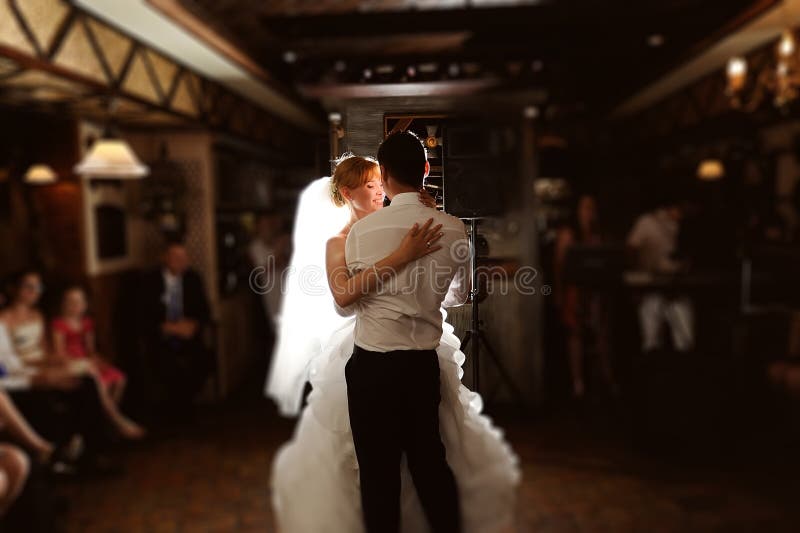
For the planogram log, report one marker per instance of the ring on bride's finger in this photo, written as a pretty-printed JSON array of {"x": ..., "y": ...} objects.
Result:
[{"x": 428, "y": 244}]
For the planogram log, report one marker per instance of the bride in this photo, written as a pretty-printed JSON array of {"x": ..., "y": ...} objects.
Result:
[{"x": 315, "y": 478}]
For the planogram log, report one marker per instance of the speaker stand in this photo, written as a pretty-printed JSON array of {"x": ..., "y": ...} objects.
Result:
[{"x": 477, "y": 337}]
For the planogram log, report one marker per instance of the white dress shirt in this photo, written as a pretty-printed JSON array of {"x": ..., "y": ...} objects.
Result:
[
  {"x": 655, "y": 235},
  {"x": 405, "y": 313},
  {"x": 172, "y": 284}
]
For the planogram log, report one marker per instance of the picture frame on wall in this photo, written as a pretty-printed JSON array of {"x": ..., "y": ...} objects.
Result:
[{"x": 106, "y": 216}]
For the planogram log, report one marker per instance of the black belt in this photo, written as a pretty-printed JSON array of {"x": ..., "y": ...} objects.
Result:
[{"x": 358, "y": 350}]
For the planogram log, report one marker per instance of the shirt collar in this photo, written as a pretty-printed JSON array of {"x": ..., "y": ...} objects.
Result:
[
  {"x": 406, "y": 198},
  {"x": 169, "y": 277}
]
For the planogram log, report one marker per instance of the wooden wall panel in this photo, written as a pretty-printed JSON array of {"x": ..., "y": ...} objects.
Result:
[
  {"x": 59, "y": 38},
  {"x": 59, "y": 207},
  {"x": 104, "y": 293},
  {"x": 45, "y": 223}
]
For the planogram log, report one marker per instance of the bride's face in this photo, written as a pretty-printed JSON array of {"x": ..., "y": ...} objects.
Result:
[{"x": 368, "y": 197}]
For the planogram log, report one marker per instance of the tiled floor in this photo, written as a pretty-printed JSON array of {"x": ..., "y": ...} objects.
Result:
[{"x": 214, "y": 476}]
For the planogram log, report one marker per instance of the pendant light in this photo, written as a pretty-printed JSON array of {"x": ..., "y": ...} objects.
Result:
[
  {"x": 111, "y": 157},
  {"x": 711, "y": 170},
  {"x": 40, "y": 175}
]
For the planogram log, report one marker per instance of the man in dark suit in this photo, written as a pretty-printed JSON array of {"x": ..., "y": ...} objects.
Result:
[{"x": 175, "y": 312}]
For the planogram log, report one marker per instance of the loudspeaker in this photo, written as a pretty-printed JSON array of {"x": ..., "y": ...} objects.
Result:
[{"x": 474, "y": 170}]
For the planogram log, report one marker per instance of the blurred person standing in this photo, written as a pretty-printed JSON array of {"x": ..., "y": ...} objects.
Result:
[
  {"x": 268, "y": 251},
  {"x": 583, "y": 310},
  {"x": 653, "y": 243}
]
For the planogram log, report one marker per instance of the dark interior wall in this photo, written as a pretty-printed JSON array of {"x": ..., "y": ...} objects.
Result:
[
  {"x": 364, "y": 118},
  {"x": 631, "y": 171},
  {"x": 39, "y": 225}
]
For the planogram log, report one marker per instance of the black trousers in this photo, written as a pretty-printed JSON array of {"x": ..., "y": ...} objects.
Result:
[
  {"x": 393, "y": 400},
  {"x": 58, "y": 414}
]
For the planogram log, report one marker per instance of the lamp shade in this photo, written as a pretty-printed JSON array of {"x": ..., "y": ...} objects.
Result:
[
  {"x": 711, "y": 170},
  {"x": 737, "y": 73},
  {"x": 787, "y": 44},
  {"x": 111, "y": 158},
  {"x": 40, "y": 175}
]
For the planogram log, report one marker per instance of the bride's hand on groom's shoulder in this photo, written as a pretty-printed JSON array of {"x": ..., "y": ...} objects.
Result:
[{"x": 420, "y": 241}]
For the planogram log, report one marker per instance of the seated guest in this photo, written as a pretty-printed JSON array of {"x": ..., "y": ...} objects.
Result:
[
  {"x": 14, "y": 468},
  {"x": 269, "y": 250},
  {"x": 27, "y": 486},
  {"x": 73, "y": 340},
  {"x": 16, "y": 376},
  {"x": 34, "y": 508},
  {"x": 24, "y": 321},
  {"x": 25, "y": 326},
  {"x": 653, "y": 242},
  {"x": 13, "y": 423},
  {"x": 14, "y": 464},
  {"x": 175, "y": 312},
  {"x": 59, "y": 404}
]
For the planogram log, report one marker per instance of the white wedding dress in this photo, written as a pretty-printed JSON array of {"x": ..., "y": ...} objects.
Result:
[
  {"x": 315, "y": 479},
  {"x": 307, "y": 317}
]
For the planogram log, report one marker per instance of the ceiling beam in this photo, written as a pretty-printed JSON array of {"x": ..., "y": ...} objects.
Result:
[
  {"x": 379, "y": 90},
  {"x": 175, "y": 11},
  {"x": 763, "y": 22},
  {"x": 412, "y": 21},
  {"x": 179, "y": 40}
]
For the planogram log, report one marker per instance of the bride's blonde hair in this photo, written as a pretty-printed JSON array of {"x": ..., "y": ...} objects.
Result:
[{"x": 352, "y": 171}]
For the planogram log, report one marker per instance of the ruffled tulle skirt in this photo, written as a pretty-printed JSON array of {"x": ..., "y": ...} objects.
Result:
[{"x": 315, "y": 475}]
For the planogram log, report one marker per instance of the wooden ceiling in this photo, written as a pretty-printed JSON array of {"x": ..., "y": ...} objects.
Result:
[
  {"x": 586, "y": 53},
  {"x": 327, "y": 7},
  {"x": 57, "y": 58}
]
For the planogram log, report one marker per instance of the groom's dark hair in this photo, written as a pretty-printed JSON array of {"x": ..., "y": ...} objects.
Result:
[{"x": 402, "y": 154}]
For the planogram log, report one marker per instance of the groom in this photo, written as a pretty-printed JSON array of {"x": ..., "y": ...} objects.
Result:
[{"x": 393, "y": 374}]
